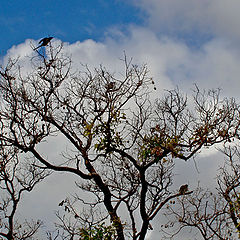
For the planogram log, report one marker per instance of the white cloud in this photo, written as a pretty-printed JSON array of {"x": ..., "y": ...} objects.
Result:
[
  {"x": 219, "y": 17},
  {"x": 171, "y": 62}
]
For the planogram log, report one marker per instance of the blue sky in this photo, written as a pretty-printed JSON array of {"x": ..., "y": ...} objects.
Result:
[
  {"x": 66, "y": 20},
  {"x": 78, "y": 20}
]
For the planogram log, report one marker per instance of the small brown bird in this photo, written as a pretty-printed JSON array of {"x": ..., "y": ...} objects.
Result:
[
  {"x": 110, "y": 86},
  {"x": 44, "y": 42},
  {"x": 183, "y": 189}
]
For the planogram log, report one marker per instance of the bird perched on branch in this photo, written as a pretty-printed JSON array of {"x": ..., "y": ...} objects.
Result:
[
  {"x": 110, "y": 86},
  {"x": 44, "y": 42},
  {"x": 183, "y": 189}
]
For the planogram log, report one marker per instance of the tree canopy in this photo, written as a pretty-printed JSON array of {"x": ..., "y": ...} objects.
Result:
[{"x": 123, "y": 144}]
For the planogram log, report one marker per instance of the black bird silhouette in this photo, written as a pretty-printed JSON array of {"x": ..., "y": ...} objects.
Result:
[
  {"x": 44, "y": 42},
  {"x": 183, "y": 189}
]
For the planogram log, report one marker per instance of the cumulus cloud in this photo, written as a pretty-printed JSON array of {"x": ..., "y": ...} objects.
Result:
[
  {"x": 217, "y": 17},
  {"x": 171, "y": 62}
]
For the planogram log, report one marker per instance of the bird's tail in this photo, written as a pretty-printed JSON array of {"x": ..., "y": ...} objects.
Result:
[{"x": 37, "y": 48}]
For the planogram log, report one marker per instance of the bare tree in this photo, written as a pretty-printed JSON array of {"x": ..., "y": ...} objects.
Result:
[
  {"x": 15, "y": 179},
  {"x": 216, "y": 215},
  {"x": 229, "y": 186},
  {"x": 122, "y": 144},
  {"x": 203, "y": 211}
]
